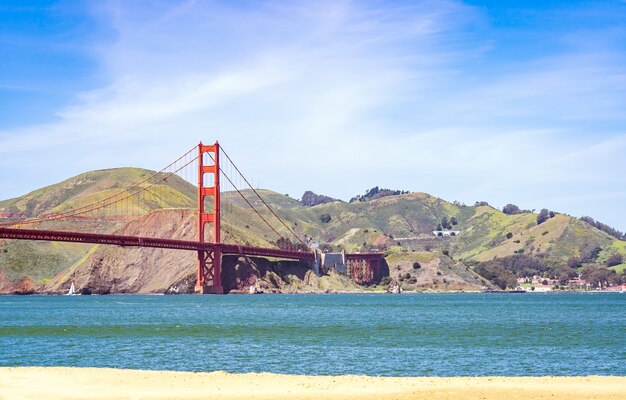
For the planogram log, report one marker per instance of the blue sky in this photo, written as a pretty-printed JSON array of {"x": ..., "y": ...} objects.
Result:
[{"x": 514, "y": 101}]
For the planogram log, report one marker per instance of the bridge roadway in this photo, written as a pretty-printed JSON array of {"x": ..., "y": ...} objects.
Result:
[{"x": 134, "y": 241}]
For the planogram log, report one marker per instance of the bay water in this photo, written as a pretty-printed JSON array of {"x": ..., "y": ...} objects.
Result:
[{"x": 365, "y": 334}]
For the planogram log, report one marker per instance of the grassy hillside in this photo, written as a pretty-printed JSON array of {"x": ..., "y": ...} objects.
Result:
[
  {"x": 43, "y": 260},
  {"x": 94, "y": 186},
  {"x": 491, "y": 233},
  {"x": 400, "y": 225}
]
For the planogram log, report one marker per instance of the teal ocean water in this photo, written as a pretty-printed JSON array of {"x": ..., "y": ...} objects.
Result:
[{"x": 399, "y": 335}]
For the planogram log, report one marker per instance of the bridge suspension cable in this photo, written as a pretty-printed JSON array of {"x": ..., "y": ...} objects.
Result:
[
  {"x": 260, "y": 198},
  {"x": 105, "y": 202}
]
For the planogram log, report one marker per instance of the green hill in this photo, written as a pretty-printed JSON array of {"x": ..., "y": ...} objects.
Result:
[
  {"x": 95, "y": 186},
  {"x": 401, "y": 225}
]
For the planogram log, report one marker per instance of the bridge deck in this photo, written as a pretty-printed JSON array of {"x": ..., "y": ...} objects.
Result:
[{"x": 134, "y": 241}]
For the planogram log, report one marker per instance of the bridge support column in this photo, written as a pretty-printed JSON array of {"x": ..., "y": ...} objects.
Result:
[
  {"x": 209, "y": 272},
  {"x": 210, "y": 260}
]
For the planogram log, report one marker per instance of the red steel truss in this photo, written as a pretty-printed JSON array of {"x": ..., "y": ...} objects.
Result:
[{"x": 133, "y": 241}]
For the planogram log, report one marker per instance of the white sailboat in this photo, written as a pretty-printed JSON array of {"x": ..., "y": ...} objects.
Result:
[{"x": 72, "y": 291}]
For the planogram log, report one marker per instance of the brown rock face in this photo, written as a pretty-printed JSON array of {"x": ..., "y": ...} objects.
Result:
[
  {"x": 241, "y": 273},
  {"x": 23, "y": 286},
  {"x": 112, "y": 269}
]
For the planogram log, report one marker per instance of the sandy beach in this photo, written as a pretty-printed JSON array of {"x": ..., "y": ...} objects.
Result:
[{"x": 93, "y": 383}]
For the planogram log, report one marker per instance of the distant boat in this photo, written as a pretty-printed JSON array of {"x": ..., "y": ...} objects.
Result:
[{"x": 72, "y": 291}]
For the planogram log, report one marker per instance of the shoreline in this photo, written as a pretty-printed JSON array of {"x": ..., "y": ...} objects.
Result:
[
  {"x": 376, "y": 292},
  {"x": 107, "y": 383}
]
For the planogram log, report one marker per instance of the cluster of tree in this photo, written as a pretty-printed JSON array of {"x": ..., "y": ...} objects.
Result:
[
  {"x": 589, "y": 252},
  {"x": 481, "y": 203},
  {"x": 377, "y": 193},
  {"x": 311, "y": 199},
  {"x": 604, "y": 228},
  {"x": 503, "y": 272},
  {"x": 497, "y": 274},
  {"x": 286, "y": 244},
  {"x": 601, "y": 277},
  {"x": 447, "y": 223},
  {"x": 523, "y": 265},
  {"x": 544, "y": 215},
  {"x": 574, "y": 262},
  {"x": 512, "y": 209},
  {"x": 614, "y": 259},
  {"x": 563, "y": 274}
]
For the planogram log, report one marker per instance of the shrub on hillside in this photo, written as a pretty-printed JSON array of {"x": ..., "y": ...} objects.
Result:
[
  {"x": 325, "y": 218},
  {"x": 445, "y": 223},
  {"x": 511, "y": 209},
  {"x": 615, "y": 259},
  {"x": 543, "y": 216},
  {"x": 417, "y": 265}
]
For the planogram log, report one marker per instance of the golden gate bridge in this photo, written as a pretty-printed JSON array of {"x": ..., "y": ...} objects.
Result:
[{"x": 101, "y": 220}]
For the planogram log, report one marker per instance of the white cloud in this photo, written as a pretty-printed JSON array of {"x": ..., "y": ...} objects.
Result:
[{"x": 344, "y": 94}]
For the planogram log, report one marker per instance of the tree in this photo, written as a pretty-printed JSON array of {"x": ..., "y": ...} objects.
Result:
[
  {"x": 598, "y": 277},
  {"x": 563, "y": 274},
  {"x": 481, "y": 204},
  {"x": 417, "y": 265},
  {"x": 497, "y": 274},
  {"x": 509, "y": 235},
  {"x": 511, "y": 209},
  {"x": 589, "y": 252},
  {"x": 445, "y": 223},
  {"x": 325, "y": 218},
  {"x": 543, "y": 216},
  {"x": 439, "y": 227},
  {"x": 604, "y": 227},
  {"x": 615, "y": 259},
  {"x": 454, "y": 221},
  {"x": 574, "y": 262}
]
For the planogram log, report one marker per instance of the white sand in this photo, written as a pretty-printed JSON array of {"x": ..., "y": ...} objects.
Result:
[{"x": 94, "y": 383}]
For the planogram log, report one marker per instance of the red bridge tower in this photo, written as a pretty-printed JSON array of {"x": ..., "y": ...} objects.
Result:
[{"x": 209, "y": 261}]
